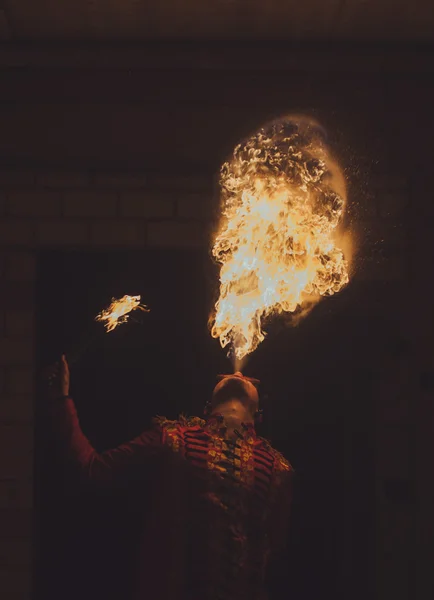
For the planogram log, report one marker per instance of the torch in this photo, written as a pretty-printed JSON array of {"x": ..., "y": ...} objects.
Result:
[{"x": 118, "y": 312}]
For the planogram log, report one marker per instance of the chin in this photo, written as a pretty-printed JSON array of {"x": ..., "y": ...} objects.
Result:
[{"x": 232, "y": 387}]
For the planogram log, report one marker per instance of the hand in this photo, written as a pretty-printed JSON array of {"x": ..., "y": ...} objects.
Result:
[{"x": 58, "y": 378}]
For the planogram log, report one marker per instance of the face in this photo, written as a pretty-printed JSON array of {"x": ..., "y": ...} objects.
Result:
[{"x": 239, "y": 387}]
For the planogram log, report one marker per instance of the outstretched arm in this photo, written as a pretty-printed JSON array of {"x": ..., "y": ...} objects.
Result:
[{"x": 100, "y": 467}]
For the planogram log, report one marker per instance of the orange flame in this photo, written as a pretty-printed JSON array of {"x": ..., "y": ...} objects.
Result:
[
  {"x": 282, "y": 201},
  {"x": 119, "y": 311}
]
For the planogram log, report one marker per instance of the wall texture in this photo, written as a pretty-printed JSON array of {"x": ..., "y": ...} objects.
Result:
[{"x": 104, "y": 159}]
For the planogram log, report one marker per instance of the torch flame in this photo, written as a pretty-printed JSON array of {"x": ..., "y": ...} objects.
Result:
[
  {"x": 282, "y": 201},
  {"x": 119, "y": 311}
]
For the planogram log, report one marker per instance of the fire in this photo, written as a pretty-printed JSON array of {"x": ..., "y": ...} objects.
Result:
[
  {"x": 119, "y": 311},
  {"x": 282, "y": 202}
]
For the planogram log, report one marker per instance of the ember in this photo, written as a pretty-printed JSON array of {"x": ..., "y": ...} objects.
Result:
[
  {"x": 119, "y": 311},
  {"x": 283, "y": 199}
]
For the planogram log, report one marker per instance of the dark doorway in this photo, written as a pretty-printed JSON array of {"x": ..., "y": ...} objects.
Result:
[{"x": 315, "y": 378}]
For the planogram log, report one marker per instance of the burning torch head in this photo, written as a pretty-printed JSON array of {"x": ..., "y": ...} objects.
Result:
[{"x": 238, "y": 387}]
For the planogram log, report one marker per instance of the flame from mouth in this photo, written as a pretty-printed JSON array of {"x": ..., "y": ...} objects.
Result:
[{"x": 283, "y": 199}]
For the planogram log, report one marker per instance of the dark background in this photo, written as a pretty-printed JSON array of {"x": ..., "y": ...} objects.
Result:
[
  {"x": 115, "y": 118},
  {"x": 313, "y": 376}
]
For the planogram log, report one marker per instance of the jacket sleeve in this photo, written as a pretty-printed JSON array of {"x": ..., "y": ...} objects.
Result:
[{"x": 107, "y": 466}]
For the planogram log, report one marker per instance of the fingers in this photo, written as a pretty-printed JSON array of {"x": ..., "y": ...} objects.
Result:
[
  {"x": 65, "y": 366},
  {"x": 56, "y": 371}
]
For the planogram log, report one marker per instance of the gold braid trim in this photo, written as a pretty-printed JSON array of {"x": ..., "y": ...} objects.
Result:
[{"x": 183, "y": 420}]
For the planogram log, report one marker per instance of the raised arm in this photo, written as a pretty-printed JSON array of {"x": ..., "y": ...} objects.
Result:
[{"x": 104, "y": 467}]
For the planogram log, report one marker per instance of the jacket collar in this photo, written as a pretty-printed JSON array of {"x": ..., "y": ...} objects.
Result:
[{"x": 216, "y": 424}]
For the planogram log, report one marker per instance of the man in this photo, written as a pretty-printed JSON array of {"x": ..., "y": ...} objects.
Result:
[{"x": 221, "y": 497}]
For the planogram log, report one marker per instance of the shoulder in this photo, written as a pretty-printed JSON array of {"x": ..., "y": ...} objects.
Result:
[
  {"x": 173, "y": 430},
  {"x": 183, "y": 422},
  {"x": 281, "y": 464},
  {"x": 160, "y": 422}
]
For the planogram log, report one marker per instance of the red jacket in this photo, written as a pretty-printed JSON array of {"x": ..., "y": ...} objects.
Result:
[{"x": 220, "y": 507}]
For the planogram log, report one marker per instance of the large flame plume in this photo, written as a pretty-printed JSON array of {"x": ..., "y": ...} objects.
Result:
[
  {"x": 283, "y": 199},
  {"x": 119, "y": 311}
]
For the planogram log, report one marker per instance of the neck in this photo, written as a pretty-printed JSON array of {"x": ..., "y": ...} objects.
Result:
[{"x": 234, "y": 412}]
